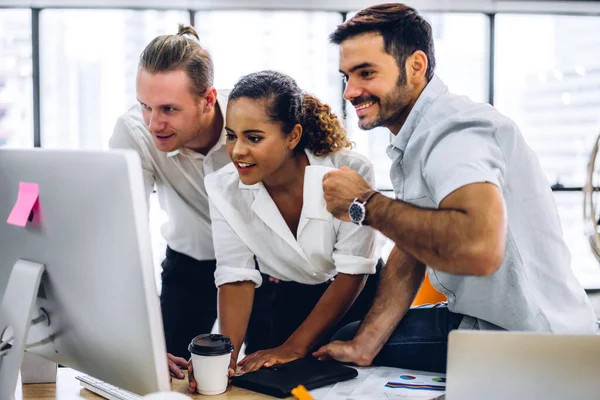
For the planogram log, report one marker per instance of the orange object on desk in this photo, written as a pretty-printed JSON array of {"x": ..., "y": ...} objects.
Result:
[
  {"x": 300, "y": 393},
  {"x": 427, "y": 294}
]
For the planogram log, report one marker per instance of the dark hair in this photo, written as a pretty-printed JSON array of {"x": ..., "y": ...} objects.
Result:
[
  {"x": 403, "y": 29},
  {"x": 181, "y": 51},
  {"x": 322, "y": 132}
]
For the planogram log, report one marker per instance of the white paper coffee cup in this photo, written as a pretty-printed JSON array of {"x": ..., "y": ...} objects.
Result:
[
  {"x": 210, "y": 359},
  {"x": 315, "y": 206}
]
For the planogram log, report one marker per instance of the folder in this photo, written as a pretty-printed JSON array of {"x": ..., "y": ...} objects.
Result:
[{"x": 279, "y": 380}]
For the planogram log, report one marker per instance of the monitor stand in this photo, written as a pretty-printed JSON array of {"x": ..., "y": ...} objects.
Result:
[{"x": 16, "y": 311}]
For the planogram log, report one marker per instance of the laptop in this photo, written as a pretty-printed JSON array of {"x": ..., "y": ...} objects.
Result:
[{"x": 522, "y": 365}]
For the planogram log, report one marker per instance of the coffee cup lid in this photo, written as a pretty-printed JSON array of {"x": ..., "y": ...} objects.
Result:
[{"x": 210, "y": 345}]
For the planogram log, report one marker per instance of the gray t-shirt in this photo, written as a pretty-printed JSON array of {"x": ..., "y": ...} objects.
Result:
[{"x": 448, "y": 142}]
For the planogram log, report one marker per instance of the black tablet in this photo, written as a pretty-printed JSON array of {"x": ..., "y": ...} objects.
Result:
[{"x": 279, "y": 380}]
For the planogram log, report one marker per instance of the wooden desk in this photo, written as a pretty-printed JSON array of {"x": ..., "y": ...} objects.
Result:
[{"x": 67, "y": 388}]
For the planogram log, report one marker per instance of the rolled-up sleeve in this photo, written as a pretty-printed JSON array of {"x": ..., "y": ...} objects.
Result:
[
  {"x": 354, "y": 250},
  {"x": 463, "y": 154},
  {"x": 235, "y": 261}
]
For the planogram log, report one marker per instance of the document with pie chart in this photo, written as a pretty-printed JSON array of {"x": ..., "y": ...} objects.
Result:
[
  {"x": 386, "y": 383},
  {"x": 395, "y": 383}
]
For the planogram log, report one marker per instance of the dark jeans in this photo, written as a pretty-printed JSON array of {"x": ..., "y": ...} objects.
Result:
[
  {"x": 292, "y": 302},
  {"x": 188, "y": 303},
  {"x": 420, "y": 341}
]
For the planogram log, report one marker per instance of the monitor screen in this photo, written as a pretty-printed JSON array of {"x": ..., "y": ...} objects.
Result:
[{"x": 90, "y": 233}]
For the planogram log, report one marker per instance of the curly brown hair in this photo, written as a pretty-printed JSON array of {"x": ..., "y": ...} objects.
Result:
[{"x": 322, "y": 132}]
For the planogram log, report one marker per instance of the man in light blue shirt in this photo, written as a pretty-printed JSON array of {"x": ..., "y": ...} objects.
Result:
[{"x": 473, "y": 206}]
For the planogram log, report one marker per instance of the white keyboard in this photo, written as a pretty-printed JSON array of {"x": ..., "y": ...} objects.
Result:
[{"x": 106, "y": 390}]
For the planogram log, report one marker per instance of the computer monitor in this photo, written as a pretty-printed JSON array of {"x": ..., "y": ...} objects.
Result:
[{"x": 89, "y": 236}]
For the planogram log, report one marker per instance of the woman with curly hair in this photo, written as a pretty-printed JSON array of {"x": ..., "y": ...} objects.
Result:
[{"x": 274, "y": 131}]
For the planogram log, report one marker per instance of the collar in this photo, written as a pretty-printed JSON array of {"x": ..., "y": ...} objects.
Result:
[
  {"x": 266, "y": 209},
  {"x": 222, "y": 103},
  {"x": 434, "y": 89}
]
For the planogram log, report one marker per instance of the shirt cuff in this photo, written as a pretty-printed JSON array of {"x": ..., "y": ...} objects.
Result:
[
  {"x": 224, "y": 275},
  {"x": 354, "y": 265}
]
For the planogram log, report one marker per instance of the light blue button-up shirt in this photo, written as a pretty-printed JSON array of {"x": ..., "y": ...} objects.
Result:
[{"x": 447, "y": 142}]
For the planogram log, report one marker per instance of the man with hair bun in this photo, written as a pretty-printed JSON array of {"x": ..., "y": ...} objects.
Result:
[{"x": 177, "y": 129}]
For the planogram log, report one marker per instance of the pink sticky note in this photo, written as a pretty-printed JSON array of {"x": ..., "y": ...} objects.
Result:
[{"x": 27, "y": 199}]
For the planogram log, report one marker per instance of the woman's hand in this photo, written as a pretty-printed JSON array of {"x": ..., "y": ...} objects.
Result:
[
  {"x": 267, "y": 358},
  {"x": 191, "y": 379},
  {"x": 232, "y": 366}
]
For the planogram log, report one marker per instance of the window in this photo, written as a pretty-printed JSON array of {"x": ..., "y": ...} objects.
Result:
[
  {"x": 548, "y": 82},
  {"x": 89, "y": 62},
  {"x": 461, "y": 49},
  {"x": 583, "y": 262},
  {"x": 292, "y": 42},
  {"x": 16, "y": 85},
  {"x": 462, "y": 52}
]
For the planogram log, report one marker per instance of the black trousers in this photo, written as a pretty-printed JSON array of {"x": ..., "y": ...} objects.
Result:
[
  {"x": 287, "y": 304},
  {"x": 188, "y": 303},
  {"x": 188, "y": 300}
]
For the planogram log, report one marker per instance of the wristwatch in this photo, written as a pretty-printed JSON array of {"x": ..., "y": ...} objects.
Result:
[{"x": 357, "y": 210}]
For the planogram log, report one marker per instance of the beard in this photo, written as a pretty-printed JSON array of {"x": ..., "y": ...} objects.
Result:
[{"x": 391, "y": 108}]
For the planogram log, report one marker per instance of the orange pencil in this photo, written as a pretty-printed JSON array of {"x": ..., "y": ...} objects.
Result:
[{"x": 300, "y": 393}]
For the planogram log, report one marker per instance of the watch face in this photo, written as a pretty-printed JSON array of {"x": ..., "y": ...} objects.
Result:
[{"x": 356, "y": 211}]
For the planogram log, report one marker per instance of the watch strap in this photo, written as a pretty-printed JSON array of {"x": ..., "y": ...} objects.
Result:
[{"x": 367, "y": 196}]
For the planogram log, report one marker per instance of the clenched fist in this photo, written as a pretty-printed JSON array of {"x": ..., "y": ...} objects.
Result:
[{"x": 340, "y": 188}]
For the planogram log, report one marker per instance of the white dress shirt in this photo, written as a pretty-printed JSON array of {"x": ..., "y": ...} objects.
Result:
[
  {"x": 179, "y": 179},
  {"x": 247, "y": 223}
]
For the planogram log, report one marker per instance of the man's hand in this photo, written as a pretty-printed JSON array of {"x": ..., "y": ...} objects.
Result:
[
  {"x": 268, "y": 358},
  {"x": 340, "y": 188},
  {"x": 175, "y": 366},
  {"x": 346, "y": 352}
]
